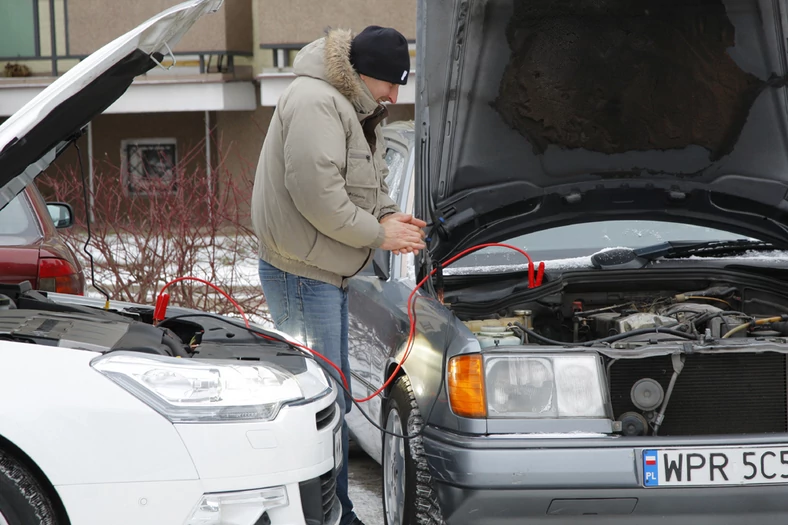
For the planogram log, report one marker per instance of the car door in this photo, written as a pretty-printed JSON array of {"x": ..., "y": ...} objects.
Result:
[{"x": 376, "y": 306}]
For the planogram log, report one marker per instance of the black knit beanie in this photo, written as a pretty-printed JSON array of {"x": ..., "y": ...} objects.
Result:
[{"x": 381, "y": 53}]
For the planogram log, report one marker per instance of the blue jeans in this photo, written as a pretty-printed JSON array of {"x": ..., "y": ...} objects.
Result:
[{"x": 315, "y": 313}]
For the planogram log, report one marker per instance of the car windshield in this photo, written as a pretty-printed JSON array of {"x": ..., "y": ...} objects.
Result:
[
  {"x": 18, "y": 223},
  {"x": 574, "y": 244}
]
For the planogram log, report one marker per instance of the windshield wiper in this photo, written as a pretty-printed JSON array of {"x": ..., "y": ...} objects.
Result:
[
  {"x": 678, "y": 249},
  {"x": 625, "y": 258}
]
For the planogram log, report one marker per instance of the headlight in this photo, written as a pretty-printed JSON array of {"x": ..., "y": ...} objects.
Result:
[
  {"x": 554, "y": 386},
  {"x": 192, "y": 391}
]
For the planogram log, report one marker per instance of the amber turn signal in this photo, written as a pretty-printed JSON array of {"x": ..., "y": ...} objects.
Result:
[{"x": 466, "y": 386}]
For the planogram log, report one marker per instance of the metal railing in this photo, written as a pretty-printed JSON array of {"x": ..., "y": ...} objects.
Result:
[{"x": 281, "y": 53}]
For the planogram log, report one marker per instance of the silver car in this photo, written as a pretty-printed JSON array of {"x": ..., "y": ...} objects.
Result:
[{"x": 636, "y": 371}]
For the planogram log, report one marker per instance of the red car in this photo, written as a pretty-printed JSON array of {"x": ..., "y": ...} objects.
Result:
[{"x": 31, "y": 248}]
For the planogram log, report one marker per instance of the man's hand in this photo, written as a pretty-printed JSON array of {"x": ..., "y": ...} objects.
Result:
[
  {"x": 404, "y": 233},
  {"x": 404, "y": 217}
]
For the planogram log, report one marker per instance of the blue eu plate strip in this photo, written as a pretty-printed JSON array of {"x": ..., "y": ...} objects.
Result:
[{"x": 650, "y": 468}]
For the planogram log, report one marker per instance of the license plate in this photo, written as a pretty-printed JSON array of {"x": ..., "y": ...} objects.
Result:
[
  {"x": 715, "y": 466},
  {"x": 338, "y": 448}
]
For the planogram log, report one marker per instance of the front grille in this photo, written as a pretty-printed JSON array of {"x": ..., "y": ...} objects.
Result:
[
  {"x": 714, "y": 394},
  {"x": 318, "y": 498},
  {"x": 325, "y": 416}
]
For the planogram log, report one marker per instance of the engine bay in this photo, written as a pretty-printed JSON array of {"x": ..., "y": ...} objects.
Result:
[
  {"x": 632, "y": 319},
  {"x": 28, "y": 316}
]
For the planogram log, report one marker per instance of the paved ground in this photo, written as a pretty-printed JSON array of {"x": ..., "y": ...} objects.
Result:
[{"x": 365, "y": 486}]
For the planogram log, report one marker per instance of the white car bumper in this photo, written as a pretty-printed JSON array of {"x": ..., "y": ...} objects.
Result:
[{"x": 288, "y": 456}]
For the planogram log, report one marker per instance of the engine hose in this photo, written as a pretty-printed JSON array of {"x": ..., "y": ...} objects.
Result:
[
  {"x": 608, "y": 339},
  {"x": 752, "y": 324}
]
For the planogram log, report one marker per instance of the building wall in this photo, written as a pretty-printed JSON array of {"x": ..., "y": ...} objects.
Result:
[
  {"x": 93, "y": 23},
  {"x": 296, "y": 22},
  {"x": 110, "y": 130},
  {"x": 239, "y": 137}
]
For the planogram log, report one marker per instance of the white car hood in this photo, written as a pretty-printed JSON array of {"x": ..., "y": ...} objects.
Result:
[{"x": 33, "y": 136}]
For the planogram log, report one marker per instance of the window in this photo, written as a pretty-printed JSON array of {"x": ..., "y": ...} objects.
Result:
[
  {"x": 396, "y": 162},
  {"x": 149, "y": 165},
  {"x": 18, "y": 225},
  {"x": 18, "y": 28}
]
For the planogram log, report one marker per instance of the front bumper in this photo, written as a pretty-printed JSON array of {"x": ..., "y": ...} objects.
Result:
[
  {"x": 171, "y": 503},
  {"x": 295, "y": 452},
  {"x": 501, "y": 481}
]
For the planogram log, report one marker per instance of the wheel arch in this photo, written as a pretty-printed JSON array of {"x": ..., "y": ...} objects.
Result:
[{"x": 11, "y": 448}]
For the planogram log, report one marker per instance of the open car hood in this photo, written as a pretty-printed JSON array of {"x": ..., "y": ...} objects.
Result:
[
  {"x": 33, "y": 136},
  {"x": 539, "y": 113}
]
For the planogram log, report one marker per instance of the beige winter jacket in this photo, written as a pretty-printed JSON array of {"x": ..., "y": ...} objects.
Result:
[{"x": 319, "y": 190}]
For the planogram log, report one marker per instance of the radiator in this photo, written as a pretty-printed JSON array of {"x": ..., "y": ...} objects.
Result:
[{"x": 714, "y": 394}]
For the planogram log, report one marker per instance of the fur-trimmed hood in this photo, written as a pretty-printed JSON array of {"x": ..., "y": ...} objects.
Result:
[{"x": 328, "y": 59}]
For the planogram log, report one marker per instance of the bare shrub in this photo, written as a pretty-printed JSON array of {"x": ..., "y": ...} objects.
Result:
[{"x": 189, "y": 225}]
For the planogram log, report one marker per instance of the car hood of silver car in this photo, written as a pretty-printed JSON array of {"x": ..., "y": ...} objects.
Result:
[
  {"x": 539, "y": 113},
  {"x": 33, "y": 137}
]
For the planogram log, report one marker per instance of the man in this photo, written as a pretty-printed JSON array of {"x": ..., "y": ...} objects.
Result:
[{"x": 320, "y": 205}]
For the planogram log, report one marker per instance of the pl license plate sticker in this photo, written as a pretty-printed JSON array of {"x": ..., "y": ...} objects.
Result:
[{"x": 715, "y": 466}]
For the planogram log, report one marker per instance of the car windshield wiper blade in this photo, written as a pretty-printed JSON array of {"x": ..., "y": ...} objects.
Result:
[
  {"x": 626, "y": 258},
  {"x": 677, "y": 249}
]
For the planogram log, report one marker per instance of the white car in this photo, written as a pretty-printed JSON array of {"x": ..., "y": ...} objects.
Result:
[{"x": 107, "y": 417}]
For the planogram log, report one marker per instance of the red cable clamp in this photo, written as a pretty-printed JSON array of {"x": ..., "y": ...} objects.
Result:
[{"x": 160, "y": 312}]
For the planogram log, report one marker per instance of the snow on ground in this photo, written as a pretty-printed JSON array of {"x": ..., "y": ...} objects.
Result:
[
  {"x": 233, "y": 259},
  {"x": 365, "y": 487}
]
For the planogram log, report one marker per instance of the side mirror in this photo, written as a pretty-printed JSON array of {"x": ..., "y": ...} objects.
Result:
[
  {"x": 61, "y": 213},
  {"x": 381, "y": 264}
]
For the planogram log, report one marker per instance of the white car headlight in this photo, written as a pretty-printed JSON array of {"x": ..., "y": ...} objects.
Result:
[
  {"x": 545, "y": 386},
  {"x": 198, "y": 391}
]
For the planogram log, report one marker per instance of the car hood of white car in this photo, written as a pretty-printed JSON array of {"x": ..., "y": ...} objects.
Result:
[{"x": 33, "y": 137}]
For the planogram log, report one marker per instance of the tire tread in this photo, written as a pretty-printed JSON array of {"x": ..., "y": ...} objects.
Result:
[
  {"x": 428, "y": 509},
  {"x": 28, "y": 488}
]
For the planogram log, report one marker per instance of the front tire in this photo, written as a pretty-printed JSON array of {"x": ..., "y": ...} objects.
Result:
[
  {"x": 409, "y": 495},
  {"x": 23, "y": 501}
]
